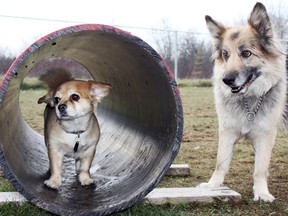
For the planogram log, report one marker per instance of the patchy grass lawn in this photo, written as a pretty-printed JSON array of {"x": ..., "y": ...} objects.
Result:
[{"x": 198, "y": 149}]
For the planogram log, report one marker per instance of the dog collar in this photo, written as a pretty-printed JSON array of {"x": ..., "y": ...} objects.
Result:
[
  {"x": 252, "y": 114},
  {"x": 78, "y": 133}
]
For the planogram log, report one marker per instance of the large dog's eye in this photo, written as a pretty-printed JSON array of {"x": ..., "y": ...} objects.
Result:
[
  {"x": 56, "y": 100},
  {"x": 75, "y": 97},
  {"x": 246, "y": 53}
]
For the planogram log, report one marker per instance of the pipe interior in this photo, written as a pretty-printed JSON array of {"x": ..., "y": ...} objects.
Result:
[{"x": 140, "y": 122}]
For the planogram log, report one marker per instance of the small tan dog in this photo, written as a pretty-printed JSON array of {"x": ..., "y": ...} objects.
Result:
[{"x": 71, "y": 127}]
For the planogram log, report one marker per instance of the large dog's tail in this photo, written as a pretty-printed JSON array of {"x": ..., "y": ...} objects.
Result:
[{"x": 55, "y": 77}]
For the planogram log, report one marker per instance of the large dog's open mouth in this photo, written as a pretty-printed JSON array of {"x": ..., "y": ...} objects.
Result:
[
  {"x": 239, "y": 81},
  {"x": 237, "y": 89}
]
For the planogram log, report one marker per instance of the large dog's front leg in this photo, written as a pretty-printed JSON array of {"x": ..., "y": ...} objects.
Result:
[
  {"x": 227, "y": 139},
  {"x": 263, "y": 144}
]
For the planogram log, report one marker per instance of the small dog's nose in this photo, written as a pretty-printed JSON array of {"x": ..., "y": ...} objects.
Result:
[
  {"x": 62, "y": 107},
  {"x": 229, "y": 79}
]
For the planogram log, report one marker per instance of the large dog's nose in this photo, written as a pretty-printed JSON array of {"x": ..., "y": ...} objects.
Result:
[
  {"x": 229, "y": 79},
  {"x": 62, "y": 107}
]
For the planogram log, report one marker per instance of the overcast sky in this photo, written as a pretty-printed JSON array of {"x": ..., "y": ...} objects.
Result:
[{"x": 22, "y": 22}]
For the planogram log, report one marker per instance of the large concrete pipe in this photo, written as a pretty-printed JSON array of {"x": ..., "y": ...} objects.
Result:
[{"x": 141, "y": 122}]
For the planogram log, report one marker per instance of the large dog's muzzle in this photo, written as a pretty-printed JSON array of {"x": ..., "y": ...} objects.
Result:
[{"x": 239, "y": 81}]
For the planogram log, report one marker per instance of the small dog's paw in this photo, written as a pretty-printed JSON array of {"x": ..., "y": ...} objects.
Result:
[
  {"x": 52, "y": 184},
  {"x": 266, "y": 197},
  {"x": 85, "y": 180}
]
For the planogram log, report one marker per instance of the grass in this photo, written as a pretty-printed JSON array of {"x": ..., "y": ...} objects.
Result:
[
  {"x": 32, "y": 84},
  {"x": 12, "y": 209},
  {"x": 198, "y": 149},
  {"x": 5, "y": 185},
  {"x": 195, "y": 83}
]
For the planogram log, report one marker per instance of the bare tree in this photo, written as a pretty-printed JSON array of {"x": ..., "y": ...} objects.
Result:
[
  {"x": 6, "y": 61},
  {"x": 187, "y": 56},
  {"x": 164, "y": 41},
  {"x": 279, "y": 18}
]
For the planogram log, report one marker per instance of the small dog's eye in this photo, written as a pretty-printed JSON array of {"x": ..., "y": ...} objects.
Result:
[
  {"x": 56, "y": 100},
  {"x": 225, "y": 54},
  {"x": 75, "y": 97},
  {"x": 246, "y": 53}
]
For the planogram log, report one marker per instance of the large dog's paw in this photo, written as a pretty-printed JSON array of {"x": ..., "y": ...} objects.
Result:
[
  {"x": 208, "y": 185},
  {"x": 52, "y": 183},
  {"x": 266, "y": 197},
  {"x": 85, "y": 179},
  {"x": 261, "y": 192}
]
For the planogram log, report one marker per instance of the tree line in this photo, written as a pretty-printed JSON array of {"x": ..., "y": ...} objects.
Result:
[
  {"x": 5, "y": 63},
  {"x": 193, "y": 52}
]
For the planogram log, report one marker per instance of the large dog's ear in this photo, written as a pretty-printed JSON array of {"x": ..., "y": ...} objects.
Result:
[
  {"x": 259, "y": 20},
  {"x": 216, "y": 29}
]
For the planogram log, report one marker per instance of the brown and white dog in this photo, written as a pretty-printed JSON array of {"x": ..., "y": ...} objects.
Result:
[
  {"x": 70, "y": 125},
  {"x": 250, "y": 90}
]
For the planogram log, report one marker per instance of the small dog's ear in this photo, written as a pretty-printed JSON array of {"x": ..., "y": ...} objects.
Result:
[
  {"x": 48, "y": 99},
  {"x": 99, "y": 90}
]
